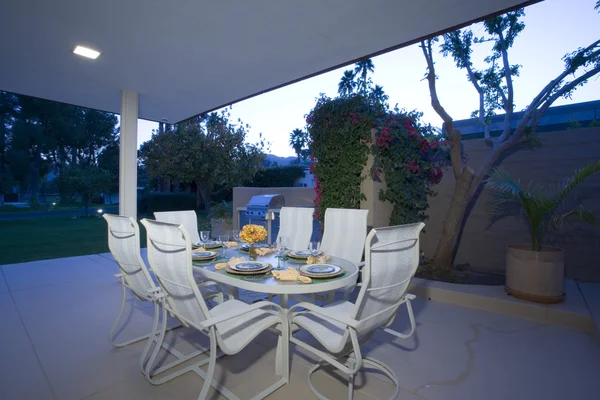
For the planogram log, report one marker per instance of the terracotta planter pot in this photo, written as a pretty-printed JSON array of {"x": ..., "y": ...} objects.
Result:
[{"x": 536, "y": 276}]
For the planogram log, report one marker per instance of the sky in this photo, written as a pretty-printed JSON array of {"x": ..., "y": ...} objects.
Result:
[{"x": 553, "y": 29}]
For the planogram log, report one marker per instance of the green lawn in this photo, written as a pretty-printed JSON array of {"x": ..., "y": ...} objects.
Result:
[
  {"x": 30, "y": 239},
  {"x": 42, "y": 238},
  {"x": 9, "y": 209}
]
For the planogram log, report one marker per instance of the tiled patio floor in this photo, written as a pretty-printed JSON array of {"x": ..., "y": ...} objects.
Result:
[{"x": 56, "y": 316}]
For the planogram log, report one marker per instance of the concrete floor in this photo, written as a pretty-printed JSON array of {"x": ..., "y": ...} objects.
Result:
[{"x": 56, "y": 315}]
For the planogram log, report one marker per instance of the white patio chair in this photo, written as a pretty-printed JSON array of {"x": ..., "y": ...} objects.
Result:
[
  {"x": 296, "y": 223},
  {"x": 392, "y": 257},
  {"x": 344, "y": 237},
  {"x": 187, "y": 218},
  {"x": 230, "y": 326},
  {"x": 124, "y": 245}
]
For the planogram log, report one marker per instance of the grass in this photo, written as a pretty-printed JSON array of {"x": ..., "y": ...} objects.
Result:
[
  {"x": 42, "y": 238},
  {"x": 9, "y": 209}
]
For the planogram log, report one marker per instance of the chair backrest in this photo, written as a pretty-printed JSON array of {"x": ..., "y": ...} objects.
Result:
[
  {"x": 392, "y": 258},
  {"x": 124, "y": 245},
  {"x": 345, "y": 233},
  {"x": 170, "y": 257},
  {"x": 187, "y": 218},
  {"x": 296, "y": 223}
]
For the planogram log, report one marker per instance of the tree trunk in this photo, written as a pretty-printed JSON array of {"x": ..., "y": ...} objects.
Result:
[
  {"x": 203, "y": 194},
  {"x": 1, "y": 199},
  {"x": 35, "y": 177},
  {"x": 86, "y": 206},
  {"x": 444, "y": 254}
]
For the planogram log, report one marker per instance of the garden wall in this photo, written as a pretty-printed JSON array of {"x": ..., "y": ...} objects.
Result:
[{"x": 483, "y": 246}]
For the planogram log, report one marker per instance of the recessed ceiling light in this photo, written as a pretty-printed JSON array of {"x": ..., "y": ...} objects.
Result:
[{"x": 86, "y": 52}]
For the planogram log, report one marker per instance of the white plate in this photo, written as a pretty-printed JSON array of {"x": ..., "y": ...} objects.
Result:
[
  {"x": 320, "y": 269},
  {"x": 249, "y": 266},
  {"x": 204, "y": 255},
  {"x": 246, "y": 246},
  {"x": 302, "y": 254}
]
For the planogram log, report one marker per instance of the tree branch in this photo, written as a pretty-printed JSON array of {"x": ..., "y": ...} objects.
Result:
[
  {"x": 481, "y": 119},
  {"x": 508, "y": 103},
  {"x": 453, "y": 135}
]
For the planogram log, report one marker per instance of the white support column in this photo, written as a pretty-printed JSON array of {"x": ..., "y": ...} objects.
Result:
[{"x": 128, "y": 154}]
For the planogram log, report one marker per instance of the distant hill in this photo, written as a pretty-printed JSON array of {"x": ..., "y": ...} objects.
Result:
[{"x": 281, "y": 161}]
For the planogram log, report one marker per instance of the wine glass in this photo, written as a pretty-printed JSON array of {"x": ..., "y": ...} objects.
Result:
[
  {"x": 204, "y": 236},
  {"x": 314, "y": 248},
  {"x": 281, "y": 250},
  {"x": 236, "y": 237},
  {"x": 223, "y": 239}
]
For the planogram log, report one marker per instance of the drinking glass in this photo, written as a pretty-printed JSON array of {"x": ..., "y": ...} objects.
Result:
[
  {"x": 281, "y": 250},
  {"x": 223, "y": 239},
  {"x": 314, "y": 248},
  {"x": 236, "y": 237},
  {"x": 204, "y": 236}
]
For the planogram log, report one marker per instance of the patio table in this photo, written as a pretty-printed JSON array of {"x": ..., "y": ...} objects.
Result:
[{"x": 266, "y": 283}]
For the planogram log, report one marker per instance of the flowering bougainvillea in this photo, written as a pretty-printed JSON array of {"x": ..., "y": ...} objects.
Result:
[
  {"x": 410, "y": 157},
  {"x": 407, "y": 155},
  {"x": 339, "y": 150}
]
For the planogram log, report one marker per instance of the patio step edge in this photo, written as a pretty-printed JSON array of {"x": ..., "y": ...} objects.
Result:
[{"x": 573, "y": 313}]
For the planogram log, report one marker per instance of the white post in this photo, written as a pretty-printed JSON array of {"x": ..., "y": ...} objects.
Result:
[{"x": 128, "y": 154}]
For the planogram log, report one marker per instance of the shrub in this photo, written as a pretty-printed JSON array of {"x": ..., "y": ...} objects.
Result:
[
  {"x": 166, "y": 202},
  {"x": 278, "y": 176},
  {"x": 345, "y": 130},
  {"x": 222, "y": 211}
]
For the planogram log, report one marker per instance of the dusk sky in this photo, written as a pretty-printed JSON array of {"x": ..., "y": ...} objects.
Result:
[{"x": 553, "y": 28}]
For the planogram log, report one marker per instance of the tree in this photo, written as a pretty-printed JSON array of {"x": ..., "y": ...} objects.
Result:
[
  {"x": 347, "y": 83},
  {"x": 8, "y": 104},
  {"x": 87, "y": 181},
  {"x": 361, "y": 70},
  {"x": 357, "y": 79},
  {"x": 208, "y": 151},
  {"x": 299, "y": 142},
  {"x": 495, "y": 88}
]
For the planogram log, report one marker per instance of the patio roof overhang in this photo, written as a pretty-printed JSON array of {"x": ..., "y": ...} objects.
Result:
[{"x": 187, "y": 57}]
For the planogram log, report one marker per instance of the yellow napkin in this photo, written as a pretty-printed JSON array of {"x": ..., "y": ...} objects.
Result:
[
  {"x": 291, "y": 274},
  {"x": 201, "y": 248},
  {"x": 231, "y": 244},
  {"x": 231, "y": 261},
  {"x": 318, "y": 260},
  {"x": 263, "y": 251}
]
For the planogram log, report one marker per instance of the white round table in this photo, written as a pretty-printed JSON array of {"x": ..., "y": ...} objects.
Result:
[{"x": 264, "y": 283}]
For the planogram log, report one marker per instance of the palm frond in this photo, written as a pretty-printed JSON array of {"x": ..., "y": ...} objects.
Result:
[
  {"x": 570, "y": 183},
  {"x": 546, "y": 210}
]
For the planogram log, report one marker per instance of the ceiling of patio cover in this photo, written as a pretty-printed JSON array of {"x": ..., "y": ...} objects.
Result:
[{"x": 186, "y": 57}]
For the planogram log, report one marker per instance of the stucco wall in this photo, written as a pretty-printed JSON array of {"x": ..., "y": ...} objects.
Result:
[{"x": 483, "y": 246}]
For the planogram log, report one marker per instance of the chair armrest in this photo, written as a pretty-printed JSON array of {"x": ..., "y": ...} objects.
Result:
[
  {"x": 326, "y": 313},
  {"x": 222, "y": 318},
  {"x": 409, "y": 296},
  {"x": 202, "y": 283}
]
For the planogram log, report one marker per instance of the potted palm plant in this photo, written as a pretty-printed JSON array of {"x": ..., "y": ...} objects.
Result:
[{"x": 535, "y": 271}]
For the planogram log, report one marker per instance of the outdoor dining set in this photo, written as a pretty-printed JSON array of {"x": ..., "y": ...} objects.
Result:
[{"x": 197, "y": 280}]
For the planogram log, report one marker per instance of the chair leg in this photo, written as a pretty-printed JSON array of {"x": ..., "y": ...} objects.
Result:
[
  {"x": 111, "y": 335},
  {"x": 158, "y": 346},
  {"x": 211, "y": 365},
  {"x": 144, "y": 356},
  {"x": 351, "y": 386},
  {"x": 112, "y": 331}
]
